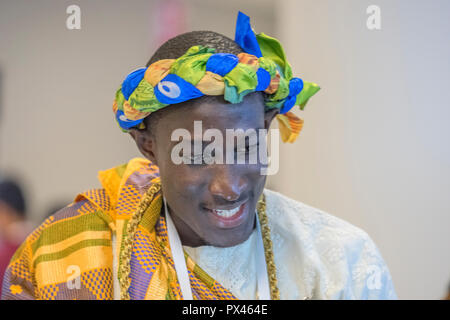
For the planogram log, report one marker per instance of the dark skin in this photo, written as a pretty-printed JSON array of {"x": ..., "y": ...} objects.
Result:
[{"x": 194, "y": 191}]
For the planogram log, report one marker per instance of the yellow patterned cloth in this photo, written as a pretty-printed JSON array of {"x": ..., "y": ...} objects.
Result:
[{"x": 70, "y": 255}]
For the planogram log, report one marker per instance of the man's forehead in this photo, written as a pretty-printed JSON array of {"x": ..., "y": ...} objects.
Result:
[{"x": 215, "y": 115}]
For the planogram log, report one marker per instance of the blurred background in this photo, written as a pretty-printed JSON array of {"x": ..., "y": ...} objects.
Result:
[{"x": 374, "y": 149}]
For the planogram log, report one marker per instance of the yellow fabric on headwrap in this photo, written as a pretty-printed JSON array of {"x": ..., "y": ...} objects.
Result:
[
  {"x": 211, "y": 84},
  {"x": 290, "y": 126},
  {"x": 158, "y": 70}
]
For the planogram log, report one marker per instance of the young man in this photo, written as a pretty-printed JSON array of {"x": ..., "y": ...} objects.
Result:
[{"x": 195, "y": 226}]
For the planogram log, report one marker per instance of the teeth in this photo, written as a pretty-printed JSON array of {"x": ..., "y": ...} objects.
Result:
[{"x": 227, "y": 213}]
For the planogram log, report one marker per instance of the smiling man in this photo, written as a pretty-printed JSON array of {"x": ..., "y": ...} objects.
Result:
[
  {"x": 160, "y": 228},
  {"x": 212, "y": 204}
]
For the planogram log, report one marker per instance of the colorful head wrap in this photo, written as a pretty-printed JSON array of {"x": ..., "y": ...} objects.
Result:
[{"x": 201, "y": 71}]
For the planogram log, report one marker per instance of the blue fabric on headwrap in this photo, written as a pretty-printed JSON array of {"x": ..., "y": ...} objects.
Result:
[
  {"x": 245, "y": 37},
  {"x": 124, "y": 122},
  {"x": 295, "y": 86},
  {"x": 132, "y": 81},
  {"x": 221, "y": 63},
  {"x": 263, "y": 79},
  {"x": 174, "y": 89}
]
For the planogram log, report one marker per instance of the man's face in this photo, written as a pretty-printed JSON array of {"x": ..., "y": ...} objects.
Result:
[{"x": 210, "y": 204}]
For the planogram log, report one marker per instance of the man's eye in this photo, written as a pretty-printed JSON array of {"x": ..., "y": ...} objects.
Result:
[
  {"x": 194, "y": 159},
  {"x": 247, "y": 149}
]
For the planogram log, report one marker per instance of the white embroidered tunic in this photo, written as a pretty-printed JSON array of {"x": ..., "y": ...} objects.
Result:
[{"x": 317, "y": 256}]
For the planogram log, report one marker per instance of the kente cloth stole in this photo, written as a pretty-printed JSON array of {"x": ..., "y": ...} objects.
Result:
[{"x": 152, "y": 273}]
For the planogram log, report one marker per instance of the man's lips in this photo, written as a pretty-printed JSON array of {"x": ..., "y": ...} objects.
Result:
[
  {"x": 228, "y": 216},
  {"x": 226, "y": 207}
]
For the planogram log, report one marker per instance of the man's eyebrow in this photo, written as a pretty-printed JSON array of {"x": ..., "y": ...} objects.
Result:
[
  {"x": 247, "y": 144},
  {"x": 202, "y": 142}
]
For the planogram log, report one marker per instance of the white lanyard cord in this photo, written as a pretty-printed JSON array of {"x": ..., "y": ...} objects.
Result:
[
  {"x": 261, "y": 266},
  {"x": 178, "y": 257},
  {"x": 181, "y": 269}
]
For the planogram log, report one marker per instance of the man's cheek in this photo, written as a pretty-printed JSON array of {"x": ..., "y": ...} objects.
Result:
[
  {"x": 252, "y": 171},
  {"x": 184, "y": 178}
]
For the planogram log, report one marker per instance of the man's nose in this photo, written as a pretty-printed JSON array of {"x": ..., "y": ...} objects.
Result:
[{"x": 226, "y": 183}]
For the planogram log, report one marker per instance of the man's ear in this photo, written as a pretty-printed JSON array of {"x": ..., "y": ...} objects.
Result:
[
  {"x": 145, "y": 143},
  {"x": 268, "y": 117}
]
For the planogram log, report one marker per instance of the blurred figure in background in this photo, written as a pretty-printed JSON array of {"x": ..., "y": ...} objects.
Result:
[{"x": 13, "y": 224}]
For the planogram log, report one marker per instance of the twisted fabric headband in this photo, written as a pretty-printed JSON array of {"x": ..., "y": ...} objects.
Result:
[{"x": 201, "y": 71}]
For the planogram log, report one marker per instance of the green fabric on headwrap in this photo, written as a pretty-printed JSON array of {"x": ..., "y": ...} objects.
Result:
[
  {"x": 231, "y": 93},
  {"x": 120, "y": 99},
  {"x": 271, "y": 48},
  {"x": 192, "y": 65},
  {"x": 143, "y": 98},
  {"x": 243, "y": 77},
  {"x": 268, "y": 65},
  {"x": 282, "y": 91},
  {"x": 309, "y": 89}
]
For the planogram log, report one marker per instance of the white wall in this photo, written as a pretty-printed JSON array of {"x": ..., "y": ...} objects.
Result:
[{"x": 374, "y": 149}]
